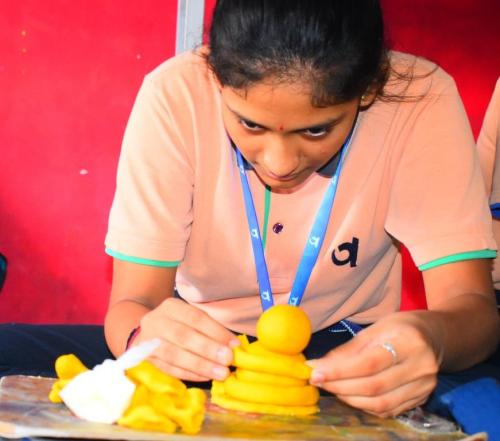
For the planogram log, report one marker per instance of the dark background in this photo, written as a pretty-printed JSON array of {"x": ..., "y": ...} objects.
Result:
[{"x": 69, "y": 72}]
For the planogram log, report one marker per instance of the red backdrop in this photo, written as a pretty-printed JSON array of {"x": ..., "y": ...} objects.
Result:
[{"x": 69, "y": 72}]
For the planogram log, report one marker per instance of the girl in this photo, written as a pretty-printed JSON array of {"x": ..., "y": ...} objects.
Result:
[{"x": 286, "y": 162}]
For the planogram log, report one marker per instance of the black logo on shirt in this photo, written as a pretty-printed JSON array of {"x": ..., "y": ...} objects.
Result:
[{"x": 348, "y": 253}]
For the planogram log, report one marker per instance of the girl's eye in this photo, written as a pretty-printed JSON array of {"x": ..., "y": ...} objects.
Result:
[
  {"x": 316, "y": 132},
  {"x": 250, "y": 125}
]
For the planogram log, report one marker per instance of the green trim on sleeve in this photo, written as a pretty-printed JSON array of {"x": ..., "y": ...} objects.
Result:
[
  {"x": 481, "y": 254},
  {"x": 159, "y": 263},
  {"x": 267, "y": 204}
]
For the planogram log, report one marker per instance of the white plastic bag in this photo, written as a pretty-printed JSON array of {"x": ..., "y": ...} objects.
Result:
[{"x": 102, "y": 395}]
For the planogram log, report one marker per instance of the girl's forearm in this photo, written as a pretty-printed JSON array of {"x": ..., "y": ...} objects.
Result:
[
  {"x": 468, "y": 328},
  {"x": 121, "y": 319}
]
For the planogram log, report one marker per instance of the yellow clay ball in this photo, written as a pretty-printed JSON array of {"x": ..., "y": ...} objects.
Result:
[{"x": 285, "y": 329}]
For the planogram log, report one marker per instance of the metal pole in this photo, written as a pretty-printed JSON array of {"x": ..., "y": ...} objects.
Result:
[{"x": 190, "y": 14}]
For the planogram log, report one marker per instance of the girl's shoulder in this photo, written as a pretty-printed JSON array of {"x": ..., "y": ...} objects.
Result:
[
  {"x": 185, "y": 75},
  {"x": 412, "y": 77}
]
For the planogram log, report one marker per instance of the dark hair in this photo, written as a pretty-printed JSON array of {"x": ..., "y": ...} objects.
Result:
[{"x": 336, "y": 45}]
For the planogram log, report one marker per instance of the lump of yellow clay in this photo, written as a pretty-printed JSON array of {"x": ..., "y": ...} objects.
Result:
[
  {"x": 146, "y": 418},
  {"x": 271, "y": 375},
  {"x": 69, "y": 366},
  {"x": 159, "y": 402}
]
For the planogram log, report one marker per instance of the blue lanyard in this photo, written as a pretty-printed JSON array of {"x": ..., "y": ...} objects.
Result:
[{"x": 314, "y": 240}]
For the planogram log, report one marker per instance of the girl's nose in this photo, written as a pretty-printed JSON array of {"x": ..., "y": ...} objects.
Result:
[{"x": 279, "y": 158}]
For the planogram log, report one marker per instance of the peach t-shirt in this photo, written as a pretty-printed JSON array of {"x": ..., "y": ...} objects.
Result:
[
  {"x": 488, "y": 145},
  {"x": 411, "y": 175}
]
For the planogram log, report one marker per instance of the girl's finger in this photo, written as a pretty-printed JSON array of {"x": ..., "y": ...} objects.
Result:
[
  {"x": 405, "y": 407},
  {"x": 380, "y": 383},
  {"x": 383, "y": 405},
  {"x": 180, "y": 358},
  {"x": 355, "y": 359},
  {"x": 182, "y": 312},
  {"x": 185, "y": 337},
  {"x": 176, "y": 372}
]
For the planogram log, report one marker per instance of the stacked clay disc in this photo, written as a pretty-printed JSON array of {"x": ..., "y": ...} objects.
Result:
[{"x": 271, "y": 375}]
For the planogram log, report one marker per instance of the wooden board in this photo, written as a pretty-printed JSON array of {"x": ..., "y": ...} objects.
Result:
[{"x": 25, "y": 411}]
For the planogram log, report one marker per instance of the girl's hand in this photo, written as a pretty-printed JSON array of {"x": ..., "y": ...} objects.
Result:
[
  {"x": 194, "y": 346},
  {"x": 366, "y": 375}
]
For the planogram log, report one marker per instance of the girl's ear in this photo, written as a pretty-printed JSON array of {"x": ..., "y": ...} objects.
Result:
[{"x": 367, "y": 99}]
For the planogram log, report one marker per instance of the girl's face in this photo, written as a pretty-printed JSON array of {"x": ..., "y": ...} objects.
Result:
[{"x": 281, "y": 134}]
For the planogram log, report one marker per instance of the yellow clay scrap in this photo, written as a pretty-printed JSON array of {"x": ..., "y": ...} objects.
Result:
[
  {"x": 146, "y": 418},
  {"x": 188, "y": 412},
  {"x": 57, "y": 387},
  {"x": 141, "y": 396},
  {"x": 167, "y": 398},
  {"x": 160, "y": 402},
  {"x": 155, "y": 379},
  {"x": 67, "y": 367}
]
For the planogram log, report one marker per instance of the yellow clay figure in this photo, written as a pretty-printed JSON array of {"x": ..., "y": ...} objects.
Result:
[
  {"x": 271, "y": 394},
  {"x": 271, "y": 375},
  {"x": 271, "y": 365},
  {"x": 244, "y": 341},
  {"x": 264, "y": 378},
  {"x": 257, "y": 348},
  {"x": 220, "y": 398}
]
